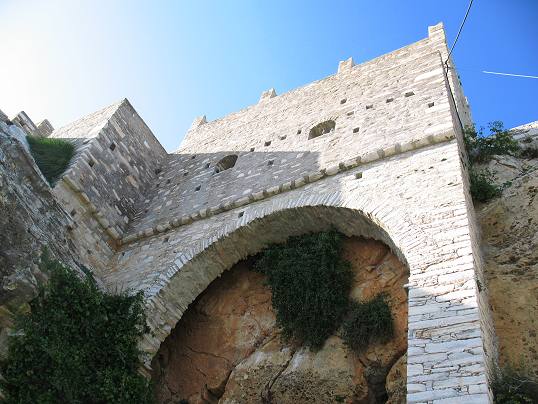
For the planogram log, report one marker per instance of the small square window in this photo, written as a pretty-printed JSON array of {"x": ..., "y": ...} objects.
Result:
[
  {"x": 112, "y": 146},
  {"x": 268, "y": 143},
  {"x": 355, "y": 130}
]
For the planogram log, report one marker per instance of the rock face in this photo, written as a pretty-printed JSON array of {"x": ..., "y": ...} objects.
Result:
[
  {"x": 510, "y": 245},
  {"x": 228, "y": 349}
]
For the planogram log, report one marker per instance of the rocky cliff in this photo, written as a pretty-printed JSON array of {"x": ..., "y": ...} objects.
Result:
[
  {"x": 228, "y": 349},
  {"x": 510, "y": 246}
]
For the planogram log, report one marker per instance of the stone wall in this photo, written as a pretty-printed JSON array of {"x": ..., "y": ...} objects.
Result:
[
  {"x": 31, "y": 218},
  {"x": 117, "y": 160},
  {"x": 388, "y": 164}
]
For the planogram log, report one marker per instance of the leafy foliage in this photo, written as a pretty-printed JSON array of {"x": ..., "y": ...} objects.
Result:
[
  {"x": 480, "y": 147},
  {"x": 51, "y": 156},
  {"x": 530, "y": 153},
  {"x": 513, "y": 386},
  {"x": 77, "y": 345},
  {"x": 310, "y": 284},
  {"x": 367, "y": 322},
  {"x": 483, "y": 187}
]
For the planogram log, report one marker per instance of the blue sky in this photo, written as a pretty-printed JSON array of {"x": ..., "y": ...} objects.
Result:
[{"x": 175, "y": 60}]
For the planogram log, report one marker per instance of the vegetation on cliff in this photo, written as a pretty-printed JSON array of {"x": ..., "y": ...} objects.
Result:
[
  {"x": 52, "y": 156},
  {"x": 77, "y": 345},
  {"x": 367, "y": 322},
  {"x": 310, "y": 283},
  {"x": 480, "y": 149}
]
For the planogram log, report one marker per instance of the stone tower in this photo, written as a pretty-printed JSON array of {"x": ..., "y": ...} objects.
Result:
[{"x": 375, "y": 150}]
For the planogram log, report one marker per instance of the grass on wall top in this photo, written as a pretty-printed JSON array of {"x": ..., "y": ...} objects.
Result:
[{"x": 52, "y": 156}]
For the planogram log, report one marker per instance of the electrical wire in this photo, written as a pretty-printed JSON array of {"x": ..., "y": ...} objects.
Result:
[
  {"x": 511, "y": 74},
  {"x": 459, "y": 32}
]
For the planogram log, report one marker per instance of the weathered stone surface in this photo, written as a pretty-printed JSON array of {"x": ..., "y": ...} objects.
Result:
[
  {"x": 228, "y": 348},
  {"x": 510, "y": 245},
  {"x": 396, "y": 382}
]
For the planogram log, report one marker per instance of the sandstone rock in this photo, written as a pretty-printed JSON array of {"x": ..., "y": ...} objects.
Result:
[
  {"x": 509, "y": 241},
  {"x": 227, "y": 348},
  {"x": 331, "y": 375},
  {"x": 396, "y": 384}
]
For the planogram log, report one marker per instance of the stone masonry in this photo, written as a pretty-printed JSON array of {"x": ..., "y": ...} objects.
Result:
[{"x": 374, "y": 150}]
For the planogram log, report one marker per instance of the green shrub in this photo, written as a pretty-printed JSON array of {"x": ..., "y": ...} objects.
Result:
[
  {"x": 367, "y": 322},
  {"x": 530, "y": 153},
  {"x": 481, "y": 147},
  {"x": 77, "y": 345},
  {"x": 482, "y": 184},
  {"x": 51, "y": 156},
  {"x": 310, "y": 284},
  {"x": 512, "y": 386}
]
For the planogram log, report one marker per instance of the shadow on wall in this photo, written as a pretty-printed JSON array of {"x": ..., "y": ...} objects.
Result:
[{"x": 188, "y": 183}]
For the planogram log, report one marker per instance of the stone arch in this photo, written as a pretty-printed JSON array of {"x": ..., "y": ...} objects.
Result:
[{"x": 274, "y": 224}]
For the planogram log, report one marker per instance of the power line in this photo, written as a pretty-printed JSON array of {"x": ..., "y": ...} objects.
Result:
[
  {"x": 511, "y": 74},
  {"x": 459, "y": 32}
]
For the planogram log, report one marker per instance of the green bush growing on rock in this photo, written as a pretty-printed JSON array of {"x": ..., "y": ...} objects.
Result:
[
  {"x": 51, "y": 156},
  {"x": 367, "y": 322},
  {"x": 310, "y": 284},
  {"x": 77, "y": 345},
  {"x": 482, "y": 185},
  {"x": 512, "y": 386},
  {"x": 480, "y": 147}
]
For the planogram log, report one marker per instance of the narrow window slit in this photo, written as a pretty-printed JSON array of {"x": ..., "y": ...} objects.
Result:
[
  {"x": 355, "y": 130},
  {"x": 409, "y": 94}
]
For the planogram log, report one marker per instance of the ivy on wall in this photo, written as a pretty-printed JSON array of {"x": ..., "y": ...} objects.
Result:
[{"x": 310, "y": 284}]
